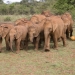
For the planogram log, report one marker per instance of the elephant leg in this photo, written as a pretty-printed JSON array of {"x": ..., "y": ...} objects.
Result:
[
  {"x": 37, "y": 43},
  {"x": 40, "y": 41},
  {"x": 34, "y": 41},
  {"x": 71, "y": 31},
  {"x": 18, "y": 45},
  {"x": 55, "y": 40},
  {"x": 64, "y": 39},
  {"x": 0, "y": 44},
  {"x": 21, "y": 45},
  {"x": 47, "y": 41},
  {"x": 67, "y": 34},
  {"x": 7, "y": 43},
  {"x": 26, "y": 44}
]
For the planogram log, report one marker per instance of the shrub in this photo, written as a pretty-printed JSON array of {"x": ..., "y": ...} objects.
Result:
[{"x": 7, "y": 19}]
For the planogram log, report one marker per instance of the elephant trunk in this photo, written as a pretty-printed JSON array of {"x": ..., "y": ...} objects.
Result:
[
  {"x": 11, "y": 43},
  {"x": 31, "y": 39}
]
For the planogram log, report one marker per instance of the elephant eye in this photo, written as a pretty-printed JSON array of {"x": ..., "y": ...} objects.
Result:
[{"x": 37, "y": 22}]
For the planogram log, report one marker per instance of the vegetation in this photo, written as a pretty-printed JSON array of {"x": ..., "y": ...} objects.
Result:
[
  {"x": 7, "y": 19},
  {"x": 33, "y": 6}
]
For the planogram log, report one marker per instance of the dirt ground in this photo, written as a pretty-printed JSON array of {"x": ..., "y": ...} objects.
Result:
[{"x": 31, "y": 62}]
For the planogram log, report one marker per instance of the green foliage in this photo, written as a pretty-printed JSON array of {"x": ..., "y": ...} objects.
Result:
[
  {"x": 1, "y": 1},
  {"x": 64, "y": 5},
  {"x": 26, "y": 7},
  {"x": 7, "y": 19},
  {"x": 32, "y": 6}
]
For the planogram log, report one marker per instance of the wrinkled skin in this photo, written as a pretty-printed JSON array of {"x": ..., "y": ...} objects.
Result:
[
  {"x": 4, "y": 33},
  {"x": 66, "y": 17},
  {"x": 54, "y": 26},
  {"x": 18, "y": 33}
]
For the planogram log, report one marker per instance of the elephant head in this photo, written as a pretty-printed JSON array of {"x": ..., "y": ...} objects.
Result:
[
  {"x": 51, "y": 24},
  {"x": 35, "y": 19},
  {"x": 15, "y": 33},
  {"x": 21, "y": 21},
  {"x": 5, "y": 28},
  {"x": 32, "y": 33}
]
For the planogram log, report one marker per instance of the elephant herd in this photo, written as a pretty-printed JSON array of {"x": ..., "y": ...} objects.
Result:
[{"x": 39, "y": 28}]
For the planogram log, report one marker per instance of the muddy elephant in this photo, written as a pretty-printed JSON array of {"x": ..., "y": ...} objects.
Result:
[
  {"x": 54, "y": 26},
  {"x": 66, "y": 17},
  {"x": 4, "y": 33},
  {"x": 18, "y": 33}
]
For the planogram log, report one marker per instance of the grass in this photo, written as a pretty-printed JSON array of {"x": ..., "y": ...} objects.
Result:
[
  {"x": 13, "y": 17},
  {"x": 55, "y": 62}
]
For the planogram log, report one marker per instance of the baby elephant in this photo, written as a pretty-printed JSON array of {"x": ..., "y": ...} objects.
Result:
[{"x": 18, "y": 33}]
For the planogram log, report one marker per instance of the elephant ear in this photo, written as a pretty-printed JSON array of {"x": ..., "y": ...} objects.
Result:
[
  {"x": 54, "y": 26},
  {"x": 18, "y": 33},
  {"x": 5, "y": 32}
]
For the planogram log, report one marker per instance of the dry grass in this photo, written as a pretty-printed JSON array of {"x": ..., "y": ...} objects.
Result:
[
  {"x": 55, "y": 62},
  {"x": 13, "y": 17}
]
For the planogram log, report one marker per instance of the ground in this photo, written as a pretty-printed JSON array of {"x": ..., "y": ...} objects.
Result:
[
  {"x": 55, "y": 62},
  {"x": 31, "y": 62}
]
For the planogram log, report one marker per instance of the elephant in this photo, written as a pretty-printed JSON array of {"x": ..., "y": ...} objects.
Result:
[
  {"x": 18, "y": 33},
  {"x": 35, "y": 19},
  {"x": 47, "y": 13},
  {"x": 66, "y": 17},
  {"x": 71, "y": 22},
  {"x": 35, "y": 32},
  {"x": 4, "y": 34},
  {"x": 54, "y": 26},
  {"x": 21, "y": 21}
]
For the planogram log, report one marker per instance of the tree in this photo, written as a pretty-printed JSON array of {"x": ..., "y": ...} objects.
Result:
[
  {"x": 1, "y": 1},
  {"x": 64, "y": 5}
]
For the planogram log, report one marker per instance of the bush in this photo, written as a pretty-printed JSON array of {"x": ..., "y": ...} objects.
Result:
[{"x": 7, "y": 19}]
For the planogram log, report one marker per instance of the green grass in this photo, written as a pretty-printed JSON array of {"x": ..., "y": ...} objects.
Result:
[{"x": 55, "y": 62}]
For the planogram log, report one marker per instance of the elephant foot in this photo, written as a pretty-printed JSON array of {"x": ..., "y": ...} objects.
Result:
[
  {"x": 55, "y": 48},
  {"x": 47, "y": 50},
  {"x": 36, "y": 49},
  {"x": 17, "y": 51},
  {"x": 64, "y": 45}
]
